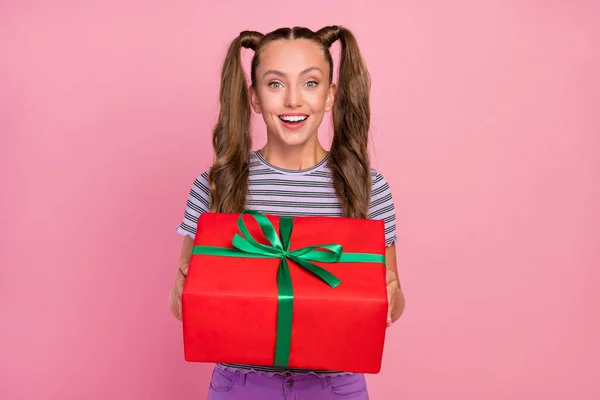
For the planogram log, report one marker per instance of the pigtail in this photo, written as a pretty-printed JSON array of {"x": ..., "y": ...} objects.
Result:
[
  {"x": 349, "y": 156},
  {"x": 232, "y": 142}
]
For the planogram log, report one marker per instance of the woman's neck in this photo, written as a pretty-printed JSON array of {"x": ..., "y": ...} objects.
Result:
[{"x": 297, "y": 158}]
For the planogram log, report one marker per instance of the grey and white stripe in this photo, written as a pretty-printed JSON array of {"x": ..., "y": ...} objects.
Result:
[{"x": 310, "y": 192}]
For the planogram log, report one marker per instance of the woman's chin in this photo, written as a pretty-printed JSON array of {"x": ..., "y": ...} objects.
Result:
[{"x": 293, "y": 139}]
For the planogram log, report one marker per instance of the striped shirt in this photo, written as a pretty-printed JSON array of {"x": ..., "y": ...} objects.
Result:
[{"x": 276, "y": 191}]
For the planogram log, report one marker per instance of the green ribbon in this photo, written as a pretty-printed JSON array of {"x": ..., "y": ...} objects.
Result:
[{"x": 247, "y": 247}]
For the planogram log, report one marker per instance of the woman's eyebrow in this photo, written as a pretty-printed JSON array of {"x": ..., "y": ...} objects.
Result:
[{"x": 282, "y": 74}]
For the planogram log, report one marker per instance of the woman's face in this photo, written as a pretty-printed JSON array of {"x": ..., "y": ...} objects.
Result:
[{"x": 292, "y": 90}]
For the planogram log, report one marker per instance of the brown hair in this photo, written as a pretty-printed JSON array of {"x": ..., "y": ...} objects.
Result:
[{"x": 348, "y": 156}]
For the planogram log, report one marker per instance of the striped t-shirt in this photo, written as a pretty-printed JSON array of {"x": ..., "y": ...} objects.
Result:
[{"x": 276, "y": 191}]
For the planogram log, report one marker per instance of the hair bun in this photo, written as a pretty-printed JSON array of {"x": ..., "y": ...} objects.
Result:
[
  {"x": 329, "y": 34},
  {"x": 251, "y": 39}
]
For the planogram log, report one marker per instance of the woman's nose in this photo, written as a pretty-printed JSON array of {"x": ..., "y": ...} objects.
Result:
[{"x": 293, "y": 98}]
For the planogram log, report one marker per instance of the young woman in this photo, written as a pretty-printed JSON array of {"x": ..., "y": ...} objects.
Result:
[{"x": 292, "y": 88}]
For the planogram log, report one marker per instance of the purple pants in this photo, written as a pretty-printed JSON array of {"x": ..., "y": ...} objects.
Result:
[{"x": 236, "y": 385}]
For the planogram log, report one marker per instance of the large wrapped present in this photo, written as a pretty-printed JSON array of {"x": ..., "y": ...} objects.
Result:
[{"x": 292, "y": 292}]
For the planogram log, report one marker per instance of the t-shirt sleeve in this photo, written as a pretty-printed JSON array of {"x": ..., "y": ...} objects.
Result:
[
  {"x": 197, "y": 203},
  {"x": 382, "y": 207}
]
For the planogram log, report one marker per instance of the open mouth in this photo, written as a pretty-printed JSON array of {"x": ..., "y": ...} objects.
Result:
[{"x": 293, "y": 119}]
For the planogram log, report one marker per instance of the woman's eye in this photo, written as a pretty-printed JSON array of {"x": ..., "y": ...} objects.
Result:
[
  {"x": 275, "y": 85},
  {"x": 312, "y": 84}
]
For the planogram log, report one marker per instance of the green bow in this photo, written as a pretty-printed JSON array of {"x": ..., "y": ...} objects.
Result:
[{"x": 247, "y": 247}]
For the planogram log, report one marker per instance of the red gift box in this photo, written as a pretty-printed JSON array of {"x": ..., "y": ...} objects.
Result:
[{"x": 233, "y": 306}]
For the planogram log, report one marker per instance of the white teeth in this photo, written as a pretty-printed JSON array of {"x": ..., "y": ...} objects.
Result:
[{"x": 293, "y": 118}]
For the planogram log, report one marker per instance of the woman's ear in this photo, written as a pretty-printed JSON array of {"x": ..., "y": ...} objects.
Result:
[
  {"x": 330, "y": 97},
  {"x": 254, "y": 101}
]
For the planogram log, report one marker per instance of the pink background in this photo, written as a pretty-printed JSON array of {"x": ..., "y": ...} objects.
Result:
[{"x": 486, "y": 123}]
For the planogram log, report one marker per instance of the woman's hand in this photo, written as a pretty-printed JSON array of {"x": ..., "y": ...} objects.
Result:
[
  {"x": 177, "y": 289},
  {"x": 394, "y": 291},
  {"x": 395, "y": 298},
  {"x": 175, "y": 296}
]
